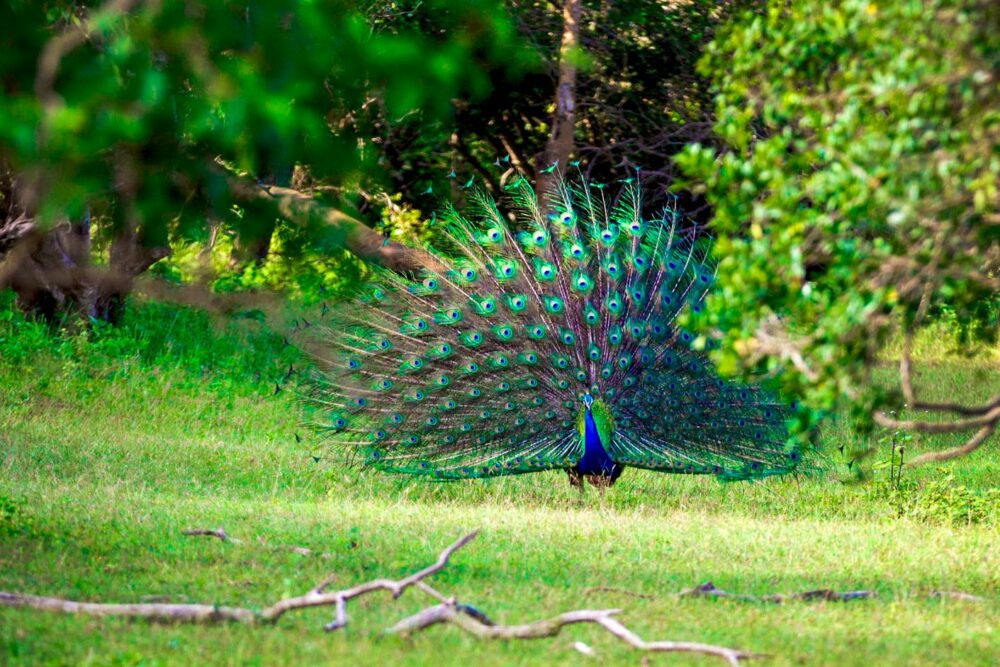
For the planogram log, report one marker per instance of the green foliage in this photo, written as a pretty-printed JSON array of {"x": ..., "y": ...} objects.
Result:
[
  {"x": 945, "y": 501},
  {"x": 860, "y": 179},
  {"x": 942, "y": 500},
  {"x": 240, "y": 356},
  {"x": 14, "y": 519},
  {"x": 138, "y": 114}
]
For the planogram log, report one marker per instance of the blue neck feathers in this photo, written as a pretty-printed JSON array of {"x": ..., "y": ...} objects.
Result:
[{"x": 595, "y": 459}]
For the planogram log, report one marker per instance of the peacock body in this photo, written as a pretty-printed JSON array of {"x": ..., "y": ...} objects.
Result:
[{"x": 547, "y": 340}]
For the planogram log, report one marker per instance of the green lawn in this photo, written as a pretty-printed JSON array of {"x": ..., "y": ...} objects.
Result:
[{"x": 109, "y": 449}]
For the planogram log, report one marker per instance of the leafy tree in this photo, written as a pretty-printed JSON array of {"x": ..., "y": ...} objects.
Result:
[
  {"x": 857, "y": 194},
  {"x": 133, "y": 124},
  {"x": 637, "y": 98}
]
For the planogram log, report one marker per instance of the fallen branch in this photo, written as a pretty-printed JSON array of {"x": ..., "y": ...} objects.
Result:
[
  {"x": 218, "y": 533},
  {"x": 708, "y": 589},
  {"x": 449, "y": 610},
  {"x": 221, "y": 534},
  {"x": 448, "y": 613},
  {"x": 212, "y": 614}
]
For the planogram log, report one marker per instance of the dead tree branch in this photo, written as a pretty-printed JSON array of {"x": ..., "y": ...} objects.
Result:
[
  {"x": 708, "y": 589},
  {"x": 448, "y": 613},
  {"x": 212, "y": 614},
  {"x": 449, "y": 610},
  {"x": 984, "y": 418},
  {"x": 218, "y": 533}
]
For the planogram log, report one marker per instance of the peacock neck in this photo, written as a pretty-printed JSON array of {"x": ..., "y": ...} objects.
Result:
[{"x": 595, "y": 460}]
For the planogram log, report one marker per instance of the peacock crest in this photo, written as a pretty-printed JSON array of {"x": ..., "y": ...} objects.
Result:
[{"x": 548, "y": 340}]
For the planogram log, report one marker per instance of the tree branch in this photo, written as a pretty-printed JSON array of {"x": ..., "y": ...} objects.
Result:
[
  {"x": 448, "y": 610},
  {"x": 971, "y": 445},
  {"x": 708, "y": 589},
  {"x": 448, "y": 613},
  {"x": 989, "y": 419},
  {"x": 301, "y": 209},
  {"x": 212, "y": 614}
]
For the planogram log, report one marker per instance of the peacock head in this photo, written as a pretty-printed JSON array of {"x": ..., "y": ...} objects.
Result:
[{"x": 588, "y": 400}]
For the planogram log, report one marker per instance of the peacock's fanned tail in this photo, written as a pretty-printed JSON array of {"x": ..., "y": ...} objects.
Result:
[{"x": 479, "y": 371}]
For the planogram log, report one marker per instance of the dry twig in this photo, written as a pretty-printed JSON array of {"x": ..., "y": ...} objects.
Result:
[{"x": 708, "y": 589}]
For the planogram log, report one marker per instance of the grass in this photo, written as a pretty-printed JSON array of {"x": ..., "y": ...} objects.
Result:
[{"x": 112, "y": 444}]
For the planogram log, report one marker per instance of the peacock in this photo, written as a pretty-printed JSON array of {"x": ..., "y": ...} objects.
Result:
[{"x": 546, "y": 337}]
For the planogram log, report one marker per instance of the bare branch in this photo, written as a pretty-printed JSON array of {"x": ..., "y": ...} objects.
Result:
[
  {"x": 171, "y": 613},
  {"x": 989, "y": 420},
  {"x": 364, "y": 242},
  {"x": 218, "y": 533},
  {"x": 708, "y": 589},
  {"x": 446, "y": 613},
  {"x": 318, "y": 598},
  {"x": 212, "y": 614},
  {"x": 906, "y": 384},
  {"x": 971, "y": 445}
]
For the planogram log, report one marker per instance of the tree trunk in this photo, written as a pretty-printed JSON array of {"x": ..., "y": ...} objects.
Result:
[
  {"x": 559, "y": 147},
  {"x": 50, "y": 270}
]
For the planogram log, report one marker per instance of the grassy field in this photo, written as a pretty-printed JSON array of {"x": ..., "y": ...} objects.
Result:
[{"x": 110, "y": 447}]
